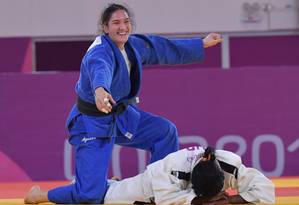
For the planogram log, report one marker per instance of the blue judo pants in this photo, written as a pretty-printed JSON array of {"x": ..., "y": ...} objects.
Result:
[{"x": 92, "y": 157}]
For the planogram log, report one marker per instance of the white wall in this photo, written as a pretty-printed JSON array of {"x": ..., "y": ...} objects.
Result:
[{"x": 39, "y": 18}]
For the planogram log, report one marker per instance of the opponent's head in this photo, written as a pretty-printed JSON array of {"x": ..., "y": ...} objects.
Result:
[
  {"x": 116, "y": 21},
  {"x": 207, "y": 176}
]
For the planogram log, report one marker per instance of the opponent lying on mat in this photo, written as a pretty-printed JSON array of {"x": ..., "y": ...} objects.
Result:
[{"x": 188, "y": 176}]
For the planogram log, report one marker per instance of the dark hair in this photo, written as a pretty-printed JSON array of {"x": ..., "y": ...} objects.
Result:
[
  {"x": 107, "y": 13},
  {"x": 207, "y": 177}
]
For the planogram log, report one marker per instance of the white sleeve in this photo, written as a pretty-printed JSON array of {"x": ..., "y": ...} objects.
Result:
[
  {"x": 167, "y": 190},
  {"x": 254, "y": 187}
]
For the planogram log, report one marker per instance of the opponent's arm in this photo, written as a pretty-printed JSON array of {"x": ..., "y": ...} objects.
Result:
[
  {"x": 236, "y": 199},
  {"x": 221, "y": 198}
]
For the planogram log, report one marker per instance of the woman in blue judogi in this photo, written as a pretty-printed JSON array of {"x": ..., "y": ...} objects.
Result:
[{"x": 105, "y": 112}]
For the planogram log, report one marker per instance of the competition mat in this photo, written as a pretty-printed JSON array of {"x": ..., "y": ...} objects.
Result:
[{"x": 287, "y": 190}]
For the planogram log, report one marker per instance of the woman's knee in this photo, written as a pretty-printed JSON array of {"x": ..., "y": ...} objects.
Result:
[
  {"x": 90, "y": 193},
  {"x": 91, "y": 197}
]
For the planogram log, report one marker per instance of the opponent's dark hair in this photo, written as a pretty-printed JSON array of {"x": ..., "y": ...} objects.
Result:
[
  {"x": 207, "y": 177},
  {"x": 107, "y": 13}
]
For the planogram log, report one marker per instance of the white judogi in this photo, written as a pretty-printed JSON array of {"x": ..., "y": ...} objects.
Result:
[{"x": 158, "y": 184}]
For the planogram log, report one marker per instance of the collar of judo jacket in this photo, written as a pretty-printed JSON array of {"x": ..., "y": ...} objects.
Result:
[{"x": 136, "y": 62}]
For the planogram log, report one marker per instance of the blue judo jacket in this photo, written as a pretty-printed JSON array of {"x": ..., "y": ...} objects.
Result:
[{"x": 104, "y": 66}]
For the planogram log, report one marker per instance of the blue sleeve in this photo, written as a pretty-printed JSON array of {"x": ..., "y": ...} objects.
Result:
[
  {"x": 159, "y": 50},
  {"x": 100, "y": 68}
]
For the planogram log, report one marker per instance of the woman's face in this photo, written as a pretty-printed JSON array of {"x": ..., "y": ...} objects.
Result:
[{"x": 119, "y": 28}]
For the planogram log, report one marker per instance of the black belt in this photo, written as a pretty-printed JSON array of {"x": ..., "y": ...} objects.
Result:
[
  {"x": 88, "y": 108},
  {"x": 182, "y": 175},
  {"x": 229, "y": 168}
]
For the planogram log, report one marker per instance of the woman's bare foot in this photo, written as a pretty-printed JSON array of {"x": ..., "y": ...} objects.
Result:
[{"x": 36, "y": 195}]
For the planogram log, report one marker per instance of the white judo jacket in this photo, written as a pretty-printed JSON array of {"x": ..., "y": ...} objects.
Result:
[{"x": 160, "y": 182}]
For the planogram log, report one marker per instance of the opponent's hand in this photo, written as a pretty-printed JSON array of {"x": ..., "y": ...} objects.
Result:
[
  {"x": 212, "y": 39},
  {"x": 104, "y": 100}
]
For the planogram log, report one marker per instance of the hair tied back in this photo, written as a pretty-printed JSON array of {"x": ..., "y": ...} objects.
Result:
[{"x": 209, "y": 154}]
